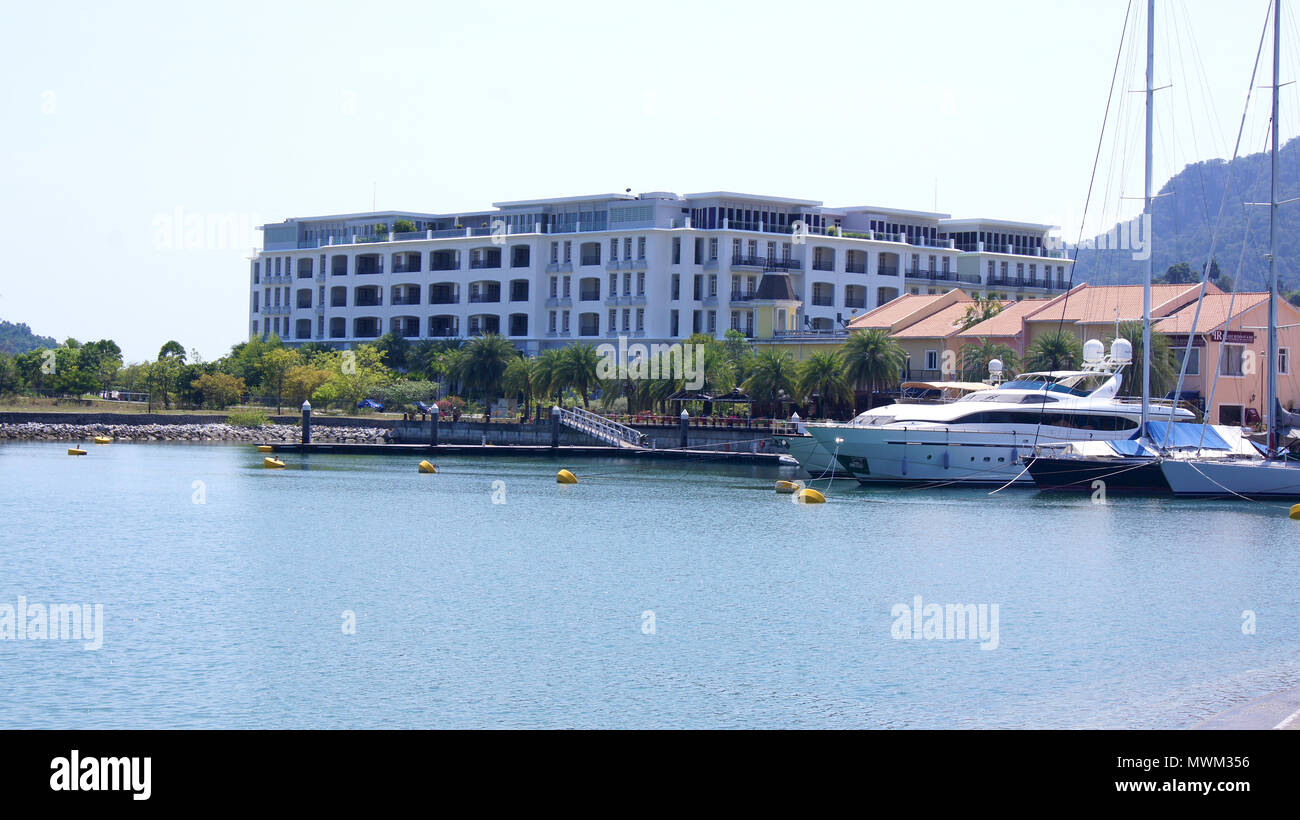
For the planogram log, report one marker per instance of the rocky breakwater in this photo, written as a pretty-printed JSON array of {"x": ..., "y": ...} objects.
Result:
[{"x": 270, "y": 433}]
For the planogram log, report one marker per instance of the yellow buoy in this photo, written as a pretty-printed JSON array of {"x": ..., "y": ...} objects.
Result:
[
  {"x": 273, "y": 463},
  {"x": 565, "y": 477},
  {"x": 103, "y": 440},
  {"x": 810, "y": 496},
  {"x": 265, "y": 448},
  {"x": 1295, "y": 513},
  {"x": 427, "y": 467},
  {"x": 74, "y": 451},
  {"x": 787, "y": 487}
]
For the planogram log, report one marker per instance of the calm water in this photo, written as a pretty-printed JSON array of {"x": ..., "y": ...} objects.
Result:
[{"x": 529, "y": 613}]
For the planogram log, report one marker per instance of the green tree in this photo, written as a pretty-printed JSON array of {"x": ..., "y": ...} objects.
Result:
[
  {"x": 396, "y": 347},
  {"x": 975, "y": 358},
  {"x": 484, "y": 362},
  {"x": 302, "y": 380},
  {"x": 1164, "y": 363},
  {"x": 166, "y": 371},
  {"x": 219, "y": 390},
  {"x": 821, "y": 375},
  {"x": 576, "y": 370},
  {"x": 403, "y": 226},
  {"x": 979, "y": 310},
  {"x": 1056, "y": 350},
  {"x": 773, "y": 373},
  {"x": 276, "y": 365},
  {"x": 874, "y": 359},
  {"x": 521, "y": 378}
]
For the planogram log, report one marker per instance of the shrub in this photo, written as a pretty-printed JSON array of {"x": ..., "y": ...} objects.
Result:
[{"x": 248, "y": 418}]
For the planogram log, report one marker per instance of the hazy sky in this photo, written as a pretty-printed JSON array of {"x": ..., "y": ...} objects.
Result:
[{"x": 120, "y": 118}]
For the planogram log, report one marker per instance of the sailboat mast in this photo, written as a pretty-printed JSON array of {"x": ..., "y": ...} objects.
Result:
[
  {"x": 1148, "y": 219},
  {"x": 1272, "y": 245}
]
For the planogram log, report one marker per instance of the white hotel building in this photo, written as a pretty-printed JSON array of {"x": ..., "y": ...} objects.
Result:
[{"x": 655, "y": 266}]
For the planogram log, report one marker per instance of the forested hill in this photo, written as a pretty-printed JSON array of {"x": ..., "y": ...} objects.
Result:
[
  {"x": 18, "y": 338},
  {"x": 1184, "y": 216}
]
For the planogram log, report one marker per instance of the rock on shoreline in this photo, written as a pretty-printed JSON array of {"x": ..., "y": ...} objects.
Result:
[{"x": 272, "y": 433}]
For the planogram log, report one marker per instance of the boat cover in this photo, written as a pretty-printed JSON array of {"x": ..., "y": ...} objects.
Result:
[{"x": 1184, "y": 434}]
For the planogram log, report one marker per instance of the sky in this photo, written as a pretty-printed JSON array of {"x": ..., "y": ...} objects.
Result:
[{"x": 123, "y": 121}]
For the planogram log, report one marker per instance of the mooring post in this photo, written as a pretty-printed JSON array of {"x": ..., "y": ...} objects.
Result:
[
  {"x": 433, "y": 425},
  {"x": 555, "y": 426},
  {"x": 306, "y": 422},
  {"x": 686, "y": 423}
]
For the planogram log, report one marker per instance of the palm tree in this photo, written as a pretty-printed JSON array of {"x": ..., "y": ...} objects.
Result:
[
  {"x": 872, "y": 357},
  {"x": 1164, "y": 361},
  {"x": 548, "y": 365},
  {"x": 975, "y": 358},
  {"x": 484, "y": 361},
  {"x": 1058, "y": 350},
  {"x": 575, "y": 368},
  {"x": 979, "y": 310},
  {"x": 772, "y": 373},
  {"x": 822, "y": 375},
  {"x": 520, "y": 378}
]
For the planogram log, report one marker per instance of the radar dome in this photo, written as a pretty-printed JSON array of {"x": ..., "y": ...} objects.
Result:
[
  {"x": 1093, "y": 350},
  {"x": 995, "y": 366},
  {"x": 1121, "y": 351}
]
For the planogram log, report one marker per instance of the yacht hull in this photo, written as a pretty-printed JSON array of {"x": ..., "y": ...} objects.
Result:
[
  {"x": 886, "y": 456},
  {"x": 813, "y": 459},
  {"x": 1118, "y": 476},
  {"x": 1233, "y": 479}
]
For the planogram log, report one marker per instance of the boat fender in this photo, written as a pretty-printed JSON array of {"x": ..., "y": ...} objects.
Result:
[
  {"x": 428, "y": 467},
  {"x": 1295, "y": 512},
  {"x": 810, "y": 496},
  {"x": 945, "y": 459},
  {"x": 76, "y": 451},
  {"x": 565, "y": 477},
  {"x": 272, "y": 463}
]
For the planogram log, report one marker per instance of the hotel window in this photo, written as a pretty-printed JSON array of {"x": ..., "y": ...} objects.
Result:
[
  {"x": 1283, "y": 361},
  {"x": 713, "y": 250},
  {"x": 735, "y": 320},
  {"x": 566, "y": 321},
  {"x": 1193, "y": 364},
  {"x": 322, "y": 264},
  {"x": 1004, "y": 270},
  {"x": 627, "y": 247},
  {"x": 1230, "y": 360},
  {"x": 946, "y": 261},
  {"x": 552, "y": 323},
  {"x": 1033, "y": 272},
  {"x": 713, "y": 285},
  {"x": 627, "y": 284},
  {"x": 753, "y": 248},
  {"x": 277, "y": 266},
  {"x": 696, "y": 327},
  {"x": 713, "y": 322},
  {"x": 676, "y": 288},
  {"x": 567, "y": 290},
  {"x": 613, "y": 250},
  {"x": 613, "y": 284},
  {"x": 568, "y": 252},
  {"x": 699, "y": 287},
  {"x": 255, "y": 295},
  {"x": 640, "y": 320},
  {"x": 785, "y": 251},
  {"x": 672, "y": 323},
  {"x": 257, "y": 273},
  {"x": 555, "y": 287},
  {"x": 931, "y": 360},
  {"x": 627, "y": 319},
  {"x": 1020, "y": 272},
  {"x": 932, "y": 261},
  {"x": 640, "y": 283},
  {"x": 771, "y": 252},
  {"x": 992, "y": 273},
  {"x": 916, "y": 262},
  {"x": 735, "y": 250},
  {"x": 699, "y": 250},
  {"x": 824, "y": 259},
  {"x": 640, "y": 247},
  {"x": 555, "y": 252},
  {"x": 677, "y": 250},
  {"x": 612, "y": 314}
]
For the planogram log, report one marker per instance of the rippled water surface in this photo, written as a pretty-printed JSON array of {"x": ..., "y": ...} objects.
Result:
[{"x": 533, "y": 612}]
